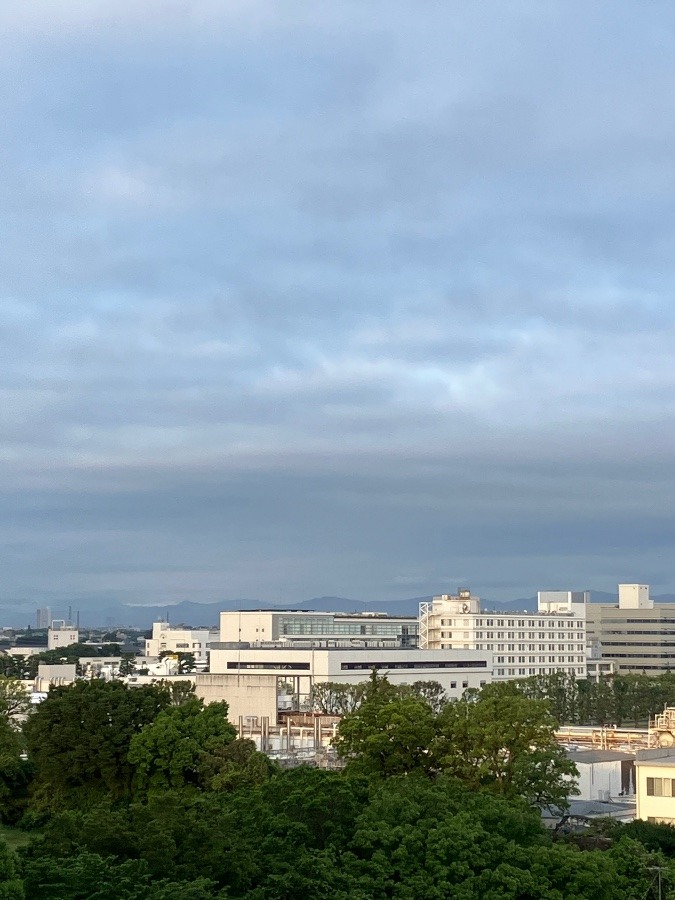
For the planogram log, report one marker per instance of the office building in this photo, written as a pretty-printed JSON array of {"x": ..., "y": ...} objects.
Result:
[
  {"x": 43, "y": 618},
  {"x": 522, "y": 643},
  {"x": 636, "y": 633},
  {"x": 293, "y": 668},
  {"x": 318, "y": 628}
]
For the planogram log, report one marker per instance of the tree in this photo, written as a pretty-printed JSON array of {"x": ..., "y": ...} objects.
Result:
[
  {"x": 432, "y": 692},
  {"x": 505, "y": 743},
  {"x": 15, "y": 774},
  {"x": 78, "y": 740},
  {"x": 11, "y": 886},
  {"x": 334, "y": 698},
  {"x": 389, "y": 734},
  {"x": 177, "y": 749},
  {"x": 14, "y": 701}
]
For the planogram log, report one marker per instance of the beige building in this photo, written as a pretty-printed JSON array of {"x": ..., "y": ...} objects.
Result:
[
  {"x": 655, "y": 786},
  {"x": 168, "y": 639},
  {"x": 521, "y": 643},
  {"x": 637, "y": 633},
  {"x": 60, "y": 634}
]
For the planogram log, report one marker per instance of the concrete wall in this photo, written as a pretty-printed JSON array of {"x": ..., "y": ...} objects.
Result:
[{"x": 246, "y": 695}]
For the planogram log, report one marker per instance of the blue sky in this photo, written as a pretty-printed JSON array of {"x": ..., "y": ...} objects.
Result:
[{"x": 360, "y": 299}]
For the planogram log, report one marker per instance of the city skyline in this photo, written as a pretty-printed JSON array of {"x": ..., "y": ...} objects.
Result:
[{"x": 359, "y": 301}]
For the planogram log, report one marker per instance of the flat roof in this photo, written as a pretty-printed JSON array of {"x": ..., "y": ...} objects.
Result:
[{"x": 593, "y": 756}]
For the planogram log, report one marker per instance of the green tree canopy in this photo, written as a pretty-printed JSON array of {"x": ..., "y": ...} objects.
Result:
[
  {"x": 79, "y": 738},
  {"x": 179, "y": 746}
]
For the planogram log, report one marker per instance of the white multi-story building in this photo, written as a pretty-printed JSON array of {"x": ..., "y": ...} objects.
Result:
[
  {"x": 317, "y": 628},
  {"x": 168, "y": 639},
  {"x": 521, "y": 643},
  {"x": 302, "y": 667}
]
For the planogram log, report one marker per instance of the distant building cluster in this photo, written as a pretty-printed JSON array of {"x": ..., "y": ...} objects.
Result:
[{"x": 270, "y": 664}]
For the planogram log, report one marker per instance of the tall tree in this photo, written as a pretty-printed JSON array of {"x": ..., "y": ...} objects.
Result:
[
  {"x": 178, "y": 748},
  {"x": 506, "y": 743},
  {"x": 78, "y": 740}
]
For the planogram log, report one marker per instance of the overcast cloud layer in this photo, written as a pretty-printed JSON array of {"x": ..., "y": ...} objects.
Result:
[{"x": 367, "y": 299}]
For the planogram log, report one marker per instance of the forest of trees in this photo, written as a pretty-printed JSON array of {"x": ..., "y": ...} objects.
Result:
[{"x": 114, "y": 793}]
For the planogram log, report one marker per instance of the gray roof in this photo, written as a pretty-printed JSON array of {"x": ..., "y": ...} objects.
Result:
[{"x": 597, "y": 756}]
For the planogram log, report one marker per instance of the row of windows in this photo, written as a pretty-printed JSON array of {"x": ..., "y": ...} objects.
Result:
[
  {"x": 292, "y": 627},
  {"x": 456, "y": 664},
  {"x": 303, "y": 667},
  {"x": 539, "y": 659},
  {"x": 530, "y": 648},
  {"x": 661, "y": 787},
  {"x": 511, "y": 623},
  {"x": 530, "y": 671}
]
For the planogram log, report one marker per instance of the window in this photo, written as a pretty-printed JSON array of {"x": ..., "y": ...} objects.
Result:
[
  {"x": 465, "y": 684},
  {"x": 660, "y": 787},
  {"x": 453, "y": 685}
]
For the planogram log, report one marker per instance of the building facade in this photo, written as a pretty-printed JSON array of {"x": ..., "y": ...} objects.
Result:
[
  {"x": 60, "y": 634},
  {"x": 168, "y": 639},
  {"x": 298, "y": 668},
  {"x": 521, "y": 643},
  {"x": 636, "y": 633},
  {"x": 316, "y": 628},
  {"x": 655, "y": 786}
]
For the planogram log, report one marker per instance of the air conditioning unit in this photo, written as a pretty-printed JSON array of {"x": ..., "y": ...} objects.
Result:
[{"x": 604, "y": 796}]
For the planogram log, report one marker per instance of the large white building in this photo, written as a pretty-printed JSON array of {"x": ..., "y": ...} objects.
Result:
[
  {"x": 521, "y": 643},
  {"x": 297, "y": 669},
  {"x": 265, "y": 655},
  {"x": 316, "y": 628},
  {"x": 168, "y": 639}
]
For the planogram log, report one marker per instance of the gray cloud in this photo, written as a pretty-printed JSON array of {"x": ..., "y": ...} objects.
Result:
[{"x": 335, "y": 300}]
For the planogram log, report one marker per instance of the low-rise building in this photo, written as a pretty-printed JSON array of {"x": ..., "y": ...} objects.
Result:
[
  {"x": 655, "y": 788},
  {"x": 61, "y": 634},
  {"x": 180, "y": 639},
  {"x": 604, "y": 775}
]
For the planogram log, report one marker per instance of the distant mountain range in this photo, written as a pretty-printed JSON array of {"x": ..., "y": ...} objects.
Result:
[{"x": 19, "y": 614}]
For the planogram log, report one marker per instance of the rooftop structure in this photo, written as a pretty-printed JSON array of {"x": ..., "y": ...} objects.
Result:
[{"x": 315, "y": 628}]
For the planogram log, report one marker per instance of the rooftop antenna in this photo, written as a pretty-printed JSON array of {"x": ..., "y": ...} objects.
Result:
[
  {"x": 70, "y": 614},
  {"x": 78, "y": 620}
]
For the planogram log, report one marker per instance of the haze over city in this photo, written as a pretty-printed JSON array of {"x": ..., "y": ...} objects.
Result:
[{"x": 366, "y": 300}]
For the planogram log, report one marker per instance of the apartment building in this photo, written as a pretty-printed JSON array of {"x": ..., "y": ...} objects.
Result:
[
  {"x": 636, "y": 633},
  {"x": 522, "y": 643},
  {"x": 318, "y": 628}
]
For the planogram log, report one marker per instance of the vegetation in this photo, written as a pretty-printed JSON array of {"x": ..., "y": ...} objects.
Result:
[
  {"x": 130, "y": 793},
  {"x": 617, "y": 699}
]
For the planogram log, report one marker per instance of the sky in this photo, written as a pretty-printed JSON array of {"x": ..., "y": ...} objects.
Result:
[{"x": 371, "y": 300}]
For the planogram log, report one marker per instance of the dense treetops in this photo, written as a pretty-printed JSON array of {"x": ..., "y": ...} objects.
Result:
[{"x": 145, "y": 793}]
